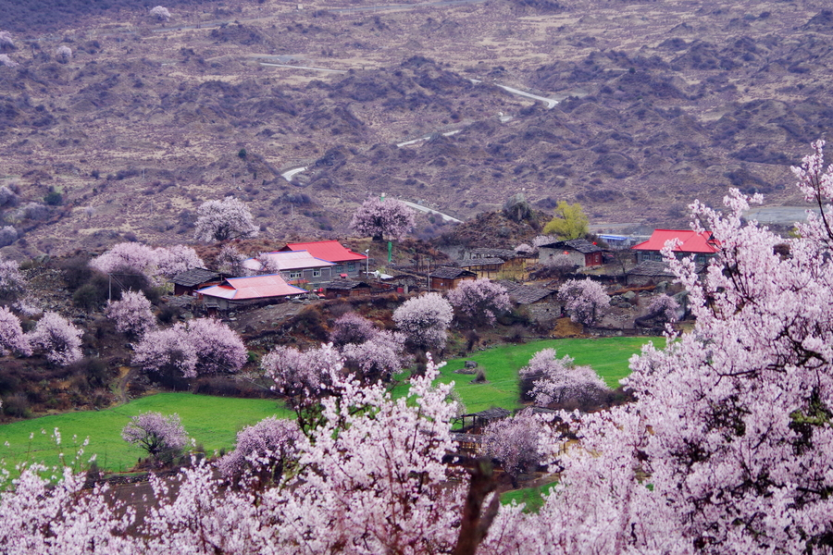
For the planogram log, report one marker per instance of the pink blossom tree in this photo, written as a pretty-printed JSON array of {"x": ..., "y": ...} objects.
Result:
[
  {"x": 161, "y": 13},
  {"x": 12, "y": 282},
  {"x": 352, "y": 328},
  {"x": 264, "y": 449},
  {"x": 6, "y": 40},
  {"x": 5, "y": 60},
  {"x": 549, "y": 380},
  {"x": 377, "y": 359},
  {"x": 584, "y": 299},
  {"x": 230, "y": 261},
  {"x": 56, "y": 335},
  {"x": 514, "y": 442},
  {"x": 424, "y": 320},
  {"x": 479, "y": 300},
  {"x": 64, "y": 53},
  {"x": 220, "y": 220},
  {"x": 218, "y": 347},
  {"x": 132, "y": 314},
  {"x": 379, "y": 218},
  {"x": 155, "y": 433},
  {"x": 664, "y": 308},
  {"x": 12, "y": 337},
  {"x": 127, "y": 259},
  {"x": 176, "y": 259},
  {"x": 169, "y": 353}
]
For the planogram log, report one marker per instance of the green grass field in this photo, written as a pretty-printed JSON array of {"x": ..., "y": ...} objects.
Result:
[
  {"x": 533, "y": 498},
  {"x": 607, "y": 356},
  {"x": 212, "y": 421}
]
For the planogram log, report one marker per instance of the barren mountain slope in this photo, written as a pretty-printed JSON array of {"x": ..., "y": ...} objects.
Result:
[{"x": 660, "y": 103}]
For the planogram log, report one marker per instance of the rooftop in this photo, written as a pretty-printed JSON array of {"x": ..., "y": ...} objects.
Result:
[
  {"x": 450, "y": 272},
  {"x": 194, "y": 276},
  {"x": 255, "y": 287},
  {"x": 691, "y": 241},
  {"x": 581, "y": 245},
  {"x": 332, "y": 251},
  {"x": 280, "y": 261}
]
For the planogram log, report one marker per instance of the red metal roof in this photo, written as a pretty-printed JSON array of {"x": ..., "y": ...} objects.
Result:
[
  {"x": 333, "y": 251},
  {"x": 701, "y": 243},
  {"x": 256, "y": 287}
]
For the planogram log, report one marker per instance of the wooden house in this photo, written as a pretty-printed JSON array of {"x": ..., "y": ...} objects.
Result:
[
  {"x": 445, "y": 278},
  {"x": 345, "y": 288},
  {"x": 582, "y": 252},
  {"x": 489, "y": 268},
  {"x": 186, "y": 283},
  {"x": 475, "y": 422},
  {"x": 496, "y": 263}
]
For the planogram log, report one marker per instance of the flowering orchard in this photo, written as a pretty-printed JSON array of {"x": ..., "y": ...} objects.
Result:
[
  {"x": 726, "y": 450},
  {"x": 548, "y": 379},
  {"x": 58, "y": 338},
  {"x": 156, "y": 433},
  {"x": 132, "y": 314}
]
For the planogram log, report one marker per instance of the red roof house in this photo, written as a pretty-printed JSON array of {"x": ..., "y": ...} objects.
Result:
[
  {"x": 703, "y": 245},
  {"x": 236, "y": 291},
  {"x": 347, "y": 261}
]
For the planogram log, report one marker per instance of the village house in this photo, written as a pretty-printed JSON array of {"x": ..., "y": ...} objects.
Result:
[
  {"x": 495, "y": 263},
  {"x": 445, "y": 278},
  {"x": 581, "y": 252},
  {"x": 186, "y": 283},
  {"x": 339, "y": 288},
  {"x": 702, "y": 245},
  {"x": 296, "y": 267},
  {"x": 346, "y": 261},
  {"x": 538, "y": 302},
  {"x": 237, "y": 292}
]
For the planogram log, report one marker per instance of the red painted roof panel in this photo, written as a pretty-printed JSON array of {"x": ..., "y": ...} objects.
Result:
[
  {"x": 701, "y": 243},
  {"x": 256, "y": 287},
  {"x": 333, "y": 251}
]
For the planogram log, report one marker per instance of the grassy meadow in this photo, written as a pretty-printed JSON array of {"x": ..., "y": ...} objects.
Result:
[
  {"x": 212, "y": 421},
  {"x": 607, "y": 356}
]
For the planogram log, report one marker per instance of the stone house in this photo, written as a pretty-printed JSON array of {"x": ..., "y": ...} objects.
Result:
[
  {"x": 582, "y": 252},
  {"x": 445, "y": 278}
]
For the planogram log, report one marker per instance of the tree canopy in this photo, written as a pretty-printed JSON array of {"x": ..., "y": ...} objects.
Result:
[{"x": 570, "y": 221}]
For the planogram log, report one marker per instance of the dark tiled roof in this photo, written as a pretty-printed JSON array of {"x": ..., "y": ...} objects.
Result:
[
  {"x": 468, "y": 263},
  {"x": 344, "y": 284},
  {"x": 194, "y": 277},
  {"x": 581, "y": 245},
  {"x": 506, "y": 254},
  {"x": 651, "y": 268},
  {"x": 525, "y": 294},
  {"x": 449, "y": 272}
]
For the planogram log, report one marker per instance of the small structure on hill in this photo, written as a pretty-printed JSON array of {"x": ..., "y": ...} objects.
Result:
[
  {"x": 345, "y": 260},
  {"x": 702, "y": 245},
  {"x": 237, "y": 292},
  {"x": 186, "y": 283},
  {"x": 582, "y": 252},
  {"x": 477, "y": 421},
  {"x": 445, "y": 278},
  {"x": 495, "y": 263},
  {"x": 345, "y": 288},
  {"x": 539, "y": 302}
]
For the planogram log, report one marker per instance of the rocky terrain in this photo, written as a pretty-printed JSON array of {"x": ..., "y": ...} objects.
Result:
[{"x": 659, "y": 103}]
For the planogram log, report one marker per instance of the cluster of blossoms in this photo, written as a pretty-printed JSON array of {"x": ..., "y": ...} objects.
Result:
[
  {"x": 56, "y": 335},
  {"x": 220, "y": 220},
  {"x": 548, "y": 379},
  {"x": 424, "y": 320},
  {"x": 202, "y": 346},
  {"x": 379, "y": 218},
  {"x": 664, "y": 308},
  {"x": 132, "y": 314},
  {"x": 12, "y": 338},
  {"x": 479, "y": 300},
  {"x": 155, "y": 265},
  {"x": 156, "y": 433},
  {"x": 161, "y": 13},
  {"x": 584, "y": 299}
]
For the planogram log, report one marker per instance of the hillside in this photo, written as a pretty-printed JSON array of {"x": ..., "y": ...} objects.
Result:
[{"x": 659, "y": 103}]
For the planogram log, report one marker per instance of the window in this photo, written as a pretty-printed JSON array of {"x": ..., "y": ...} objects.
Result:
[
  {"x": 351, "y": 266},
  {"x": 294, "y": 275},
  {"x": 316, "y": 273}
]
